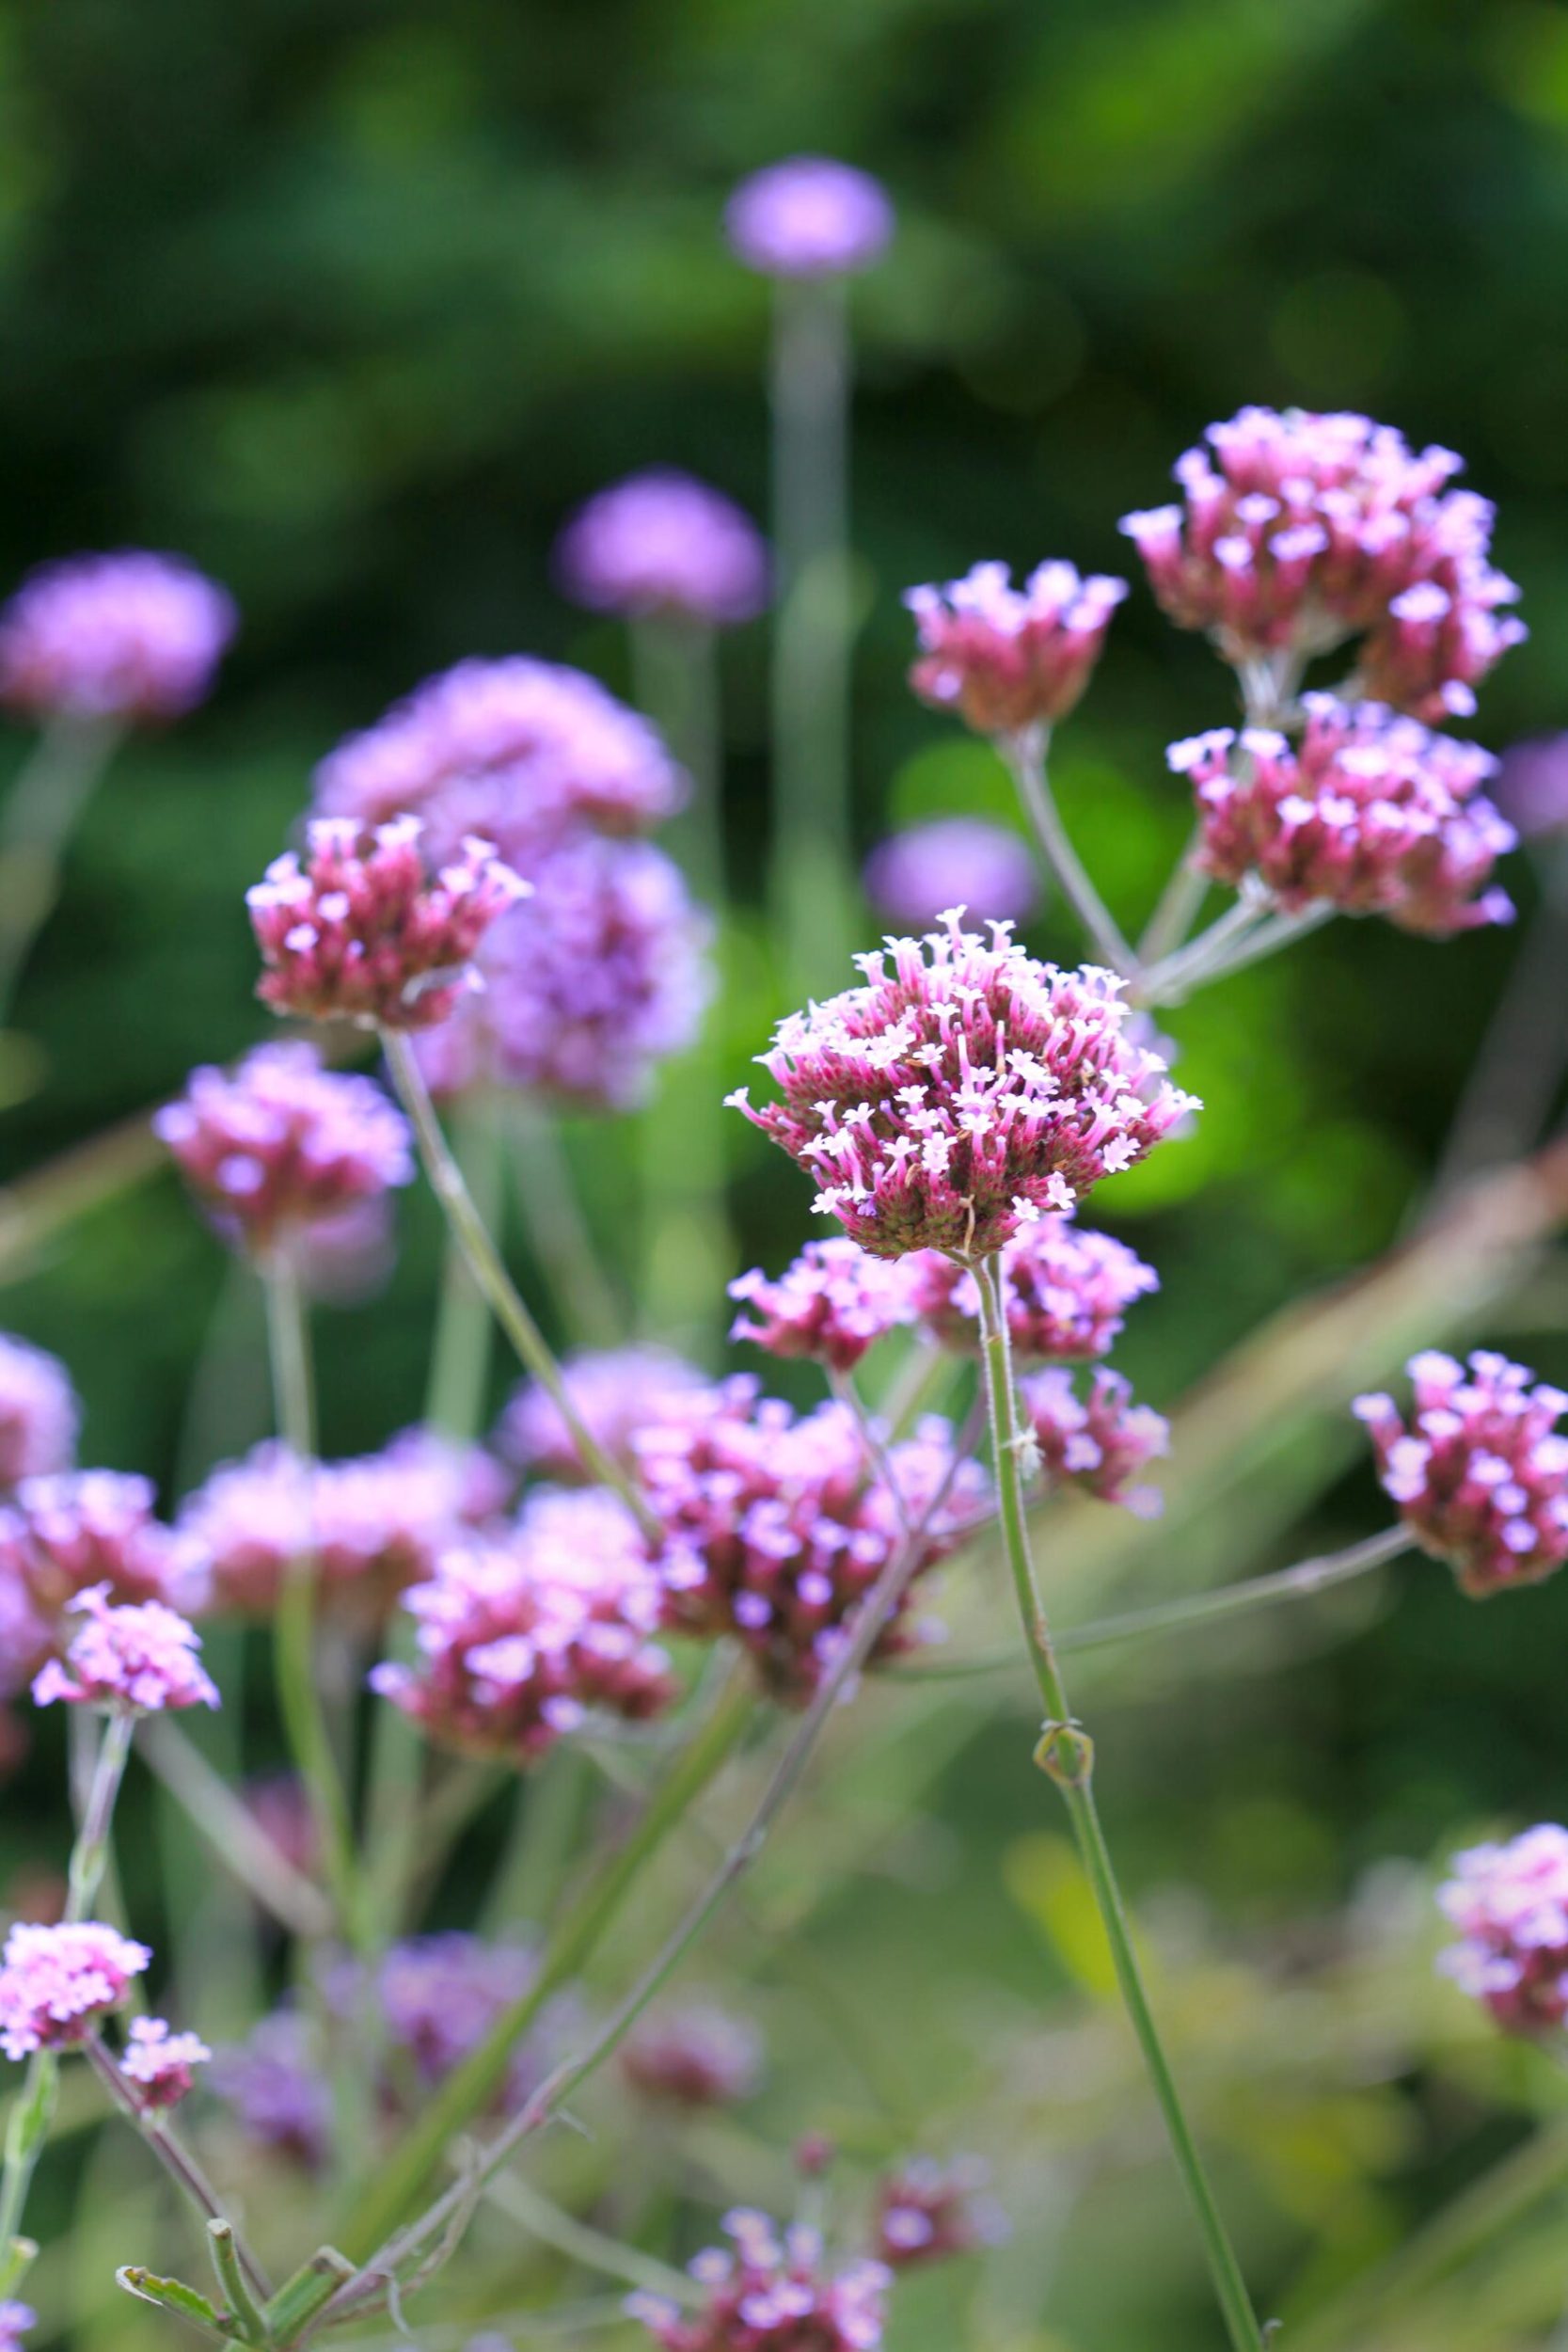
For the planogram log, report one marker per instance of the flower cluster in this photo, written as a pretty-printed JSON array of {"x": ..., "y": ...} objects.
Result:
[
  {"x": 282, "y": 1142},
  {"x": 693, "y": 2057},
  {"x": 1480, "y": 1474},
  {"x": 64, "y": 1535},
  {"x": 663, "y": 542},
  {"x": 1066, "y": 1292},
  {"x": 15, "y": 2320},
  {"x": 771, "y": 2295},
  {"x": 808, "y": 216},
  {"x": 829, "y": 1305},
  {"x": 963, "y": 1094},
  {"x": 913, "y": 875},
  {"x": 38, "y": 1413},
  {"x": 1298, "y": 530},
  {"x": 1101, "y": 1442},
  {"x": 927, "y": 2211},
  {"x": 1370, "y": 813},
  {"x": 141, "y": 1655},
  {"x": 162, "y": 2064},
  {"x": 1009, "y": 659},
  {"x": 614, "y": 1391},
  {"x": 1510, "y": 1903},
  {"x": 127, "y": 637},
  {"x": 279, "y": 2086},
  {"x": 56, "y": 1981}
]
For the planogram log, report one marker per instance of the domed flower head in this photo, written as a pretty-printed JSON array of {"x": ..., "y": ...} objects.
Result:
[
  {"x": 927, "y": 2211},
  {"x": 1480, "y": 1473},
  {"x": 1510, "y": 1903},
  {"x": 283, "y": 1142},
  {"x": 363, "y": 931},
  {"x": 601, "y": 976},
  {"x": 695, "y": 2056},
  {"x": 832, "y": 1303},
  {"x": 1009, "y": 659},
  {"x": 65, "y": 1534},
  {"x": 1370, "y": 814},
  {"x": 1101, "y": 1442},
  {"x": 614, "y": 1391},
  {"x": 1298, "y": 530},
  {"x": 663, "y": 542},
  {"x": 39, "y": 1412},
  {"x": 912, "y": 875},
  {"x": 128, "y": 637},
  {"x": 772, "y": 2294},
  {"x": 161, "y": 2064},
  {"x": 1066, "y": 1292},
  {"x": 56, "y": 1982},
  {"x": 809, "y": 218},
  {"x": 962, "y": 1093},
  {"x": 138, "y": 1656}
]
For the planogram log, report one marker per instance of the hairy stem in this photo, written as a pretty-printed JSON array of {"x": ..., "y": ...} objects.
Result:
[
  {"x": 173, "y": 2154},
  {"x": 1025, "y": 755}
]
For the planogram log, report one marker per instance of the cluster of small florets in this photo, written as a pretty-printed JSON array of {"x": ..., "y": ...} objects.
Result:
[
  {"x": 1066, "y": 1292},
  {"x": 1370, "y": 813},
  {"x": 927, "y": 2212},
  {"x": 771, "y": 2295},
  {"x": 1480, "y": 1474},
  {"x": 1510, "y": 1903},
  {"x": 614, "y": 1393},
  {"x": 161, "y": 2064},
  {"x": 990, "y": 870},
  {"x": 138, "y": 1656},
  {"x": 57, "y": 1982},
  {"x": 829, "y": 1305},
  {"x": 661, "y": 542},
  {"x": 695, "y": 2056},
  {"x": 126, "y": 637},
  {"x": 810, "y": 217},
  {"x": 1010, "y": 659},
  {"x": 962, "y": 1093},
  {"x": 64, "y": 1535},
  {"x": 1298, "y": 530},
  {"x": 283, "y": 1143},
  {"x": 15, "y": 2320},
  {"x": 1101, "y": 1442},
  {"x": 39, "y": 1412}
]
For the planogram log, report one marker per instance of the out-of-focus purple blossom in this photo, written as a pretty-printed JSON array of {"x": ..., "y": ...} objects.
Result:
[
  {"x": 1066, "y": 1289},
  {"x": 913, "y": 876},
  {"x": 129, "y": 637},
  {"x": 61, "y": 1535},
  {"x": 15, "y": 2320},
  {"x": 1371, "y": 814},
  {"x": 1101, "y": 1442},
  {"x": 1530, "y": 785},
  {"x": 663, "y": 542},
  {"x": 808, "y": 216},
  {"x": 1481, "y": 1471},
  {"x": 39, "y": 1412},
  {"x": 962, "y": 1093},
  {"x": 697, "y": 2055},
  {"x": 283, "y": 1142},
  {"x": 139, "y": 1655},
  {"x": 1510, "y": 1903},
  {"x": 614, "y": 1393},
  {"x": 440, "y": 1994},
  {"x": 830, "y": 1304},
  {"x": 277, "y": 2084},
  {"x": 772, "y": 2294},
  {"x": 55, "y": 1982},
  {"x": 927, "y": 2211},
  {"x": 1009, "y": 659},
  {"x": 161, "y": 2064}
]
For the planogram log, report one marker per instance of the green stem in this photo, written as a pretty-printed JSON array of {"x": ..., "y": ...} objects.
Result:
[
  {"x": 231, "y": 1832},
  {"x": 1252, "y": 944},
  {"x": 558, "y": 1232},
  {"x": 460, "y": 1360},
  {"x": 1025, "y": 755},
  {"x": 40, "y": 814},
  {"x": 173, "y": 2154},
  {"x": 1177, "y": 907},
  {"x": 1066, "y": 1754},
  {"x": 592, "y": 2248}
]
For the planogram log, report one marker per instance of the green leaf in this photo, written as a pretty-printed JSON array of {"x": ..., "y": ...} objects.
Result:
[{"x": 171, "y": 2295}]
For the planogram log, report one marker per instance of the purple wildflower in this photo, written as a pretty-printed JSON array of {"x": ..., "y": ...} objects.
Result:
[
  {"x": 829, "y": 1305},
  {"x": 809, "y": 218},
  {"x": 1066, "y": 1292},
  {"x": 55, "y": 1982},
  {"x": 1099, "y": 1444},
  {"x": 15, "y": 2320},
  {"x": 1510, "y": 1903},
  {"x": 1009, "y": 659},
  {"x": 614, "y": 1392},
  {"x": 663, "y": 542},
  {"x": 161, "y": 2064},
  {"x": 140, "y": 1655},
  {"x": 279, "y": 2086},
  {"x": 39, "y": 1412},
  {"x": 697, "y": 2055},
  {"x": 129, "y": 637},
  {"x": 927, "y": 2211},
  {"x": 913, "y": 875},
  {"x": 63, "y": 1534},
  {"x": 771, "y": 2295}
]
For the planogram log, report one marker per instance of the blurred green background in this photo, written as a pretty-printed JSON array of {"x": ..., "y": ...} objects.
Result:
[{"x": 351, "y": 303}]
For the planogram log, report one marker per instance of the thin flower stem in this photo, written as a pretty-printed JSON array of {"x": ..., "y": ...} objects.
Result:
[
  {"x": 1066, "y": 1755},
  {"x": 1280, "y": 931},
  {"x": 846, "y": 1393},
  {"x": 457, "y": 1392},
  {"x": 1177, "y": 909},
  {"x": 39, "y": 816},
  {"x": 1169, "y": 981},
  {"x": 558, "y": 1232},
  {"x": 1025, "y": 755},
  {"x": 231, "y": 1831}
]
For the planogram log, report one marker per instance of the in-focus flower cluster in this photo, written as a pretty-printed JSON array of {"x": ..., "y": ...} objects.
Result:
[
  {"x": 913, "y": 875},
  {"x": 39, "y": 1412},
  {"x": 1100, "y": 1441},
  {"x": 663, "y": 542},
  {"x": 65, "y": 1534},
  {"x": 771, "y": 2295},
  {"x": 1510, "y": 1903},
  {"x": 140, "y": 1655},
  {"x": 1480, "y": 1472},
  {"x": 161, "y": 2064},
  {"x": 808, "y": 216},
  {"x": 57, "y": 1982},
  {"x": 1009, "y": 659},
  {"x": 1066, "y": 1291},
  {"x": 129, "y": 636},
  {"x": 614, "y": 1391},
  {"x": 927, "y": 2212},
  {"x": 829, "y": 1305},
  {"x": 697, "y": 2055}
]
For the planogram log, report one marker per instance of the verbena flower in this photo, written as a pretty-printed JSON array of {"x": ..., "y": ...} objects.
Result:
[
  {"x": 64, "y": 1535},
  {"x": 697, "y": 2055},
  {"x": 1066, "y": 1292},
  {"x": 129, "y": 636},
  {"x": 1298, "y": 530},
  {"x": 1480, "y": 1472},
  {"x": 283, "y": 1142},
  {"x": 57, "y": 1982},
  {"x": 773, "y": 2293},
  {"x": 962, "y": 1093},
  {"x": 39, "y": 1412},
  {"x": 614, "y": 1393},
  {"x": 160, "y": 2062},
  {"x": 1371, "y": 814},
  {"x": 1009, "y": 659},
  {"x": 1100, "y": 1441},
  {"x": 15, "y": 2320},
  {"x": 926, "y": 2210},
  {"x": 1531, "y": 786},
  {"x": 913, "y": 875},
  {"x": 663, "y": 542},
  {"x": 1510, "y": 1903},
  {"x": 140, "y": 1655},
  {"x": 364, "y": 931},
  {"x": 829, "y": 1305},
  {"x": 808, "y": 216},
  {"x": 277, "y": 2084}
]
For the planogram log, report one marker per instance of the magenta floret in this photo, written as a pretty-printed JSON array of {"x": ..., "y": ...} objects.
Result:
[
  {"x": 39, "y": 1412},
  {"x": 697, "y": 2055},
  {"x": 829, "y": 1305},
  {"x": 773, "y": 2293},
  {"x": 160, "y": 2062},
  {"x": 57, "y": 1982},
  {"x": 1510, "y": 1903},
  {"x": 1009, "y": 659},
  {"x": 663, "y": 542},
  {"x": 1066, "y": 1291},
  {"x": 131, "y": 637},
  {"x": 614, "y": 1391},
  {"x": 1102, "y": 1441},
  {"x": 138, "y": 1655}
]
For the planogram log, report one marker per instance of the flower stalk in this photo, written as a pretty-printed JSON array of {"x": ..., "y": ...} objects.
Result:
[{"x": 1025, "y": 756}]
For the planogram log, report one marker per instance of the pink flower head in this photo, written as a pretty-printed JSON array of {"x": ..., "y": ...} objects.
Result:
[
  {"x": 1067, "y": 1293},
  {"x": 1298, "y": 530},
  {"x": 1008, "y": 658},
  {"x": 1100, "y": 1443},
  {"x": 64, "y": 1535},
  {"x": 832, "y": 1303},
  {"x": 39, "y": 1412},
  {"x": 364, "y": 932},
  {"x": 56, "y": 1981},
  {"x": 913, "y": 875},
  {"x": 129, "y": 636},
  {"x": 1510, "y": 1903},
  {"x": 519, "y": 752},
  {"x": 963, "y": 1094},
  {"x": 1481, "y": 1472},
  {"x": 161, "y": 2064},
  {"x": 602, "y": 975},
  {"x": 139, "y": 1655},
  {"x": 772, "y": 2294},
  {"x": 927, "y": 2211},
  {"x": 614, "y": 1392},
  {"x": 521, "y": 1635},
  {"x": 15, "y": 2320},
  {"x": 283, "y": 1142},
  {"x": 809, "y": 218},
  {"x": 695, "y": 2056},
  {"x": 1370, "y": 814},
  {"x": 663, "y": 542}
]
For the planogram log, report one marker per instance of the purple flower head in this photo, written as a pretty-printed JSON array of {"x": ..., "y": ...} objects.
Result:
[
  {"x": 1067, "y": 1293},
  {"x": 161, "y": 2064},
  {"x": 829, "y": 1305},
  {"x": 664, "y": 542},
  {"x": 283, "y": 1142},
  {"x": 55, "y": 1982},
  {"x": 912, "y": 875},
  {"x": 809, "y": 218},
  {"x": 364, "y": 932},
  {"x": 693, "y": 2057},
  {"x": 440, "y": 1994},
  {"x": 614, "y": 1392},
  {"x": 1007, "y": 659},
  {"x": 65, "y": 1534},
  {"x": 1297, "y": 530},
  {"x": 1370, "y": 814},
  {"x": 139, "y": 1655},
  {"x": 1100, "y": 1443},
  {"x": 279, "y": 2088},
  {"x": 960, "y": 1095},
  {"x": 1531, "y": 786},
  {"x": 772, "y": 2294},
  {"x": 39, "y": 1412},
  {"x": 15, "y": 2320},
  {"x": 1480, "y": 1472},
  {"x": 519, "y": 752},
  {"x": 927, "y": 2211},
  {"x": 1510, "y": 1903},
  {"x": 603, "y": 973},
  {"x": 128, "y": 637}
]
